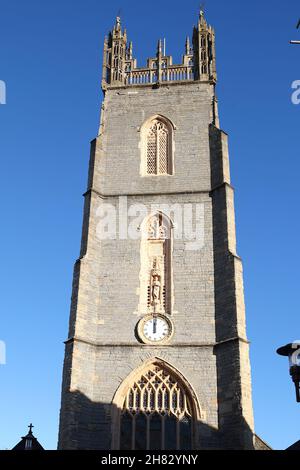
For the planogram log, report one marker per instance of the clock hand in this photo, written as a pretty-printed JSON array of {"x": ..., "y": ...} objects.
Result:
[{"x": 154, "y": 325}]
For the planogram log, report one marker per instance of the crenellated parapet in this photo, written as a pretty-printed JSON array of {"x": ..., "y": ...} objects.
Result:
[{"x": 198, "y": 61}]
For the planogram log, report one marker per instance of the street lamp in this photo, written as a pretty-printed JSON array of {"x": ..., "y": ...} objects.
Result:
[{"x": 292, "y": 351}]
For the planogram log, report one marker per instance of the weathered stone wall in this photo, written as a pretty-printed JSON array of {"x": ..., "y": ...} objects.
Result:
[
  {"x": 207, "y": 283},
  {"x": 187, "y": 106}
]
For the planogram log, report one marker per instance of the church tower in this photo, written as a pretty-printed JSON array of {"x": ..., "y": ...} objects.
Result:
[{"x": 157, "y": 355}]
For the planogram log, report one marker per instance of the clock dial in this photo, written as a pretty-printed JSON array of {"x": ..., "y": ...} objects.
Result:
[{"x": 155, "y": 329}]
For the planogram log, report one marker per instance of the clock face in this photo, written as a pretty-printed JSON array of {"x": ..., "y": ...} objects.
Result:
[{"x": 155, "y": 329}]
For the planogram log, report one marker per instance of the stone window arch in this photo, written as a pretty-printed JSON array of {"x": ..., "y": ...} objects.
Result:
[
  {"x": 156, "y": 265},
  {"x": 157, "y": 410},
  {"x": 157, "y": 147}
]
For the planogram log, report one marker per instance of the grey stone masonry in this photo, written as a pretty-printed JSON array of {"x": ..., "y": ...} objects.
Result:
[{"x": 209, "y": 346}]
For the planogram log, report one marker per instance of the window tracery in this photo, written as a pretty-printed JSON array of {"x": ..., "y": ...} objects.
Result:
[
  {"x": 156, "y": 413},
  {"x": 158, "y": 148}
]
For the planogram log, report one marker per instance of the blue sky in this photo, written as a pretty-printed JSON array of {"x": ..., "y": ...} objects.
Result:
[{"x": 51, "y": 63}]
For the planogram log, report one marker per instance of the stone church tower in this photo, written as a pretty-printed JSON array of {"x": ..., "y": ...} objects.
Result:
[{"x": 157, "y": 355}]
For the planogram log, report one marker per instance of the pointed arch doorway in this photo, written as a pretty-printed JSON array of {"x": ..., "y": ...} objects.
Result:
[{"x": 155, "y": 409}]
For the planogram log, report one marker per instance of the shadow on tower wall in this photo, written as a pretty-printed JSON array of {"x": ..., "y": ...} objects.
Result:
[{"x": 88, "y": 425}]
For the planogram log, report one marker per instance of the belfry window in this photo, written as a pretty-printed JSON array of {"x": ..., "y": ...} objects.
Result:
[
  {"x": 156, "y": 413},
  {"x": 158, "y": 148}
]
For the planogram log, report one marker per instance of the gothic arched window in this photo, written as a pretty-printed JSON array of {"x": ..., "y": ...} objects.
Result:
[
  {"x": 157, "y": 147},
  {"x": 157, "y": 412}
]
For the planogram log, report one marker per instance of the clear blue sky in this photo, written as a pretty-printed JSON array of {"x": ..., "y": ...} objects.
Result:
[{"x": 50, "y": 58}]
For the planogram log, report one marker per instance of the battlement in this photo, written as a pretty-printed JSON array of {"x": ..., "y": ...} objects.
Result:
[{"x": 198, "y": 62}]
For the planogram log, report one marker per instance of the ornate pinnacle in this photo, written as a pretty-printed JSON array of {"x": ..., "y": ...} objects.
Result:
[
  {"x": 118, "y": 23},
  {"x": 187, "y": 45},
  {"x": 201, "y": 15},
  {"x": 159, "y": 47}
]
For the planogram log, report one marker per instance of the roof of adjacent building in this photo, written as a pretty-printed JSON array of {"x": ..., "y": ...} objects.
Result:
[
  {"x": 28, "y": 442},
  {"x": 295, "y": 446},
  {"x": 260, "y": 444}
]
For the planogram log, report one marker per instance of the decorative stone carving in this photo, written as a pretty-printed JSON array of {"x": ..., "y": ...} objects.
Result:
[
  {"x": 156, "y": 230},
  {"x": 155, "y": 285},
  {"x": 155, "y": 291}
]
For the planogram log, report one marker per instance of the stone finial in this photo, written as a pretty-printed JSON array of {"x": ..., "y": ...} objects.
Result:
[
  {"x": 117, "y": 29},
  {"x": 159, "y": 47},
  {"x": 202, "y": 19},
  {"x": 187, "y": 45},
  {"x": 202, "y": 8}
]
